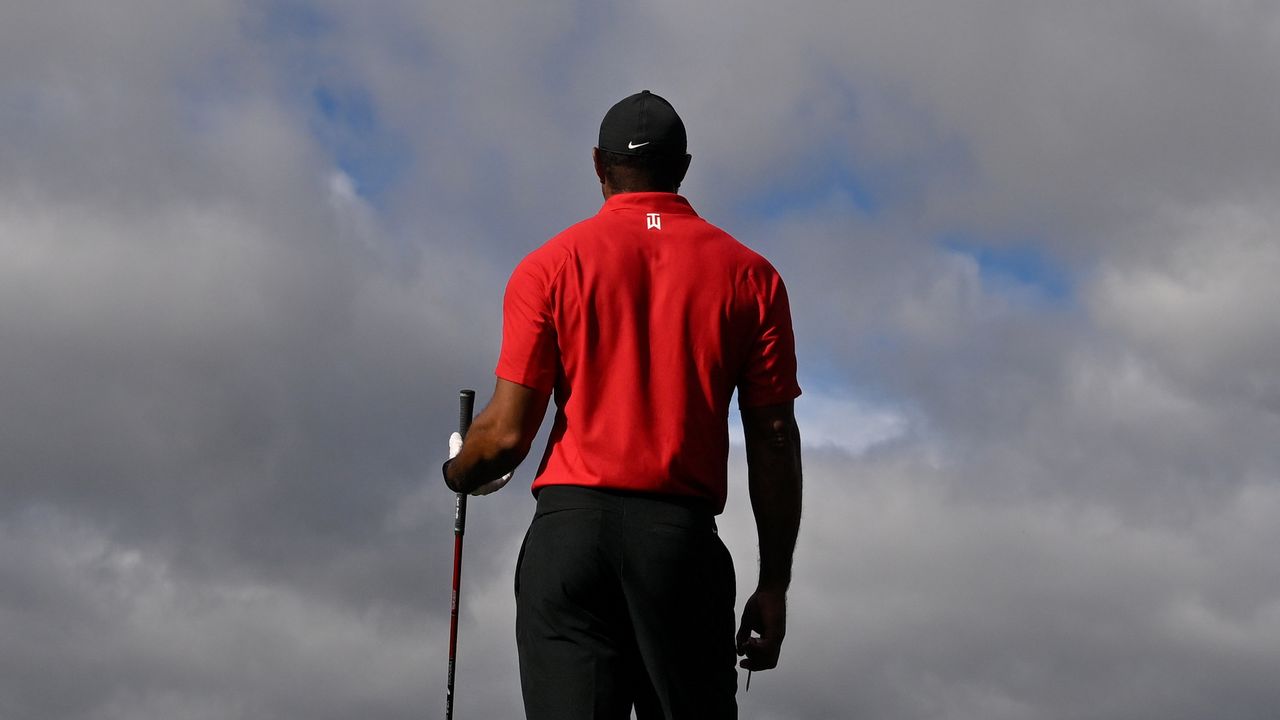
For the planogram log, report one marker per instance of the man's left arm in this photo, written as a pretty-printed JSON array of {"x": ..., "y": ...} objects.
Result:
[{"x": 499, "y": 438}]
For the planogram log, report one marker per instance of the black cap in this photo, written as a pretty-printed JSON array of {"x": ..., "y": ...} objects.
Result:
[{"x": 643, "y": 124}]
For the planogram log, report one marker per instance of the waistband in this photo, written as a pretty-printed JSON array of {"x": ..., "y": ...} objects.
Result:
[{"x": 671, "y": 509}]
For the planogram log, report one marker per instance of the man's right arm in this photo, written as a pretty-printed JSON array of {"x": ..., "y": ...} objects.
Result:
[{"x": 775, "y": 479}]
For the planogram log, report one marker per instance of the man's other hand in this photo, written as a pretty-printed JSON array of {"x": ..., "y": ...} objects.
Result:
[{"x": 765, "y": 615}]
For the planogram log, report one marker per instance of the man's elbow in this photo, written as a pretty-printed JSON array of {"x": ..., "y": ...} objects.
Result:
[
  {"x": 780, "y": 437},
  {"x": 784, "y": 435},
  {"x": 773, "y": 449}
]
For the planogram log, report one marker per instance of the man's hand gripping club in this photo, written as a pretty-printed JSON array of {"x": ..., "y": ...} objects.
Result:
[
  {"x": 499, "y": 439},
  {"x": 455, "y": 447}
]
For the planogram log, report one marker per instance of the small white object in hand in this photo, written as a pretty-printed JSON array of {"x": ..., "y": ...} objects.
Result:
[{"x": 455, "y": 447}]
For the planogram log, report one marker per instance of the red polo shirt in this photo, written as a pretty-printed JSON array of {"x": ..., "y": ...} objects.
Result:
[{"x": 644, "y": 319}]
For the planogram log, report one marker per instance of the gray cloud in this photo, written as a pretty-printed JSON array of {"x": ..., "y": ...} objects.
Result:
[{"x": 228, "y": 358}]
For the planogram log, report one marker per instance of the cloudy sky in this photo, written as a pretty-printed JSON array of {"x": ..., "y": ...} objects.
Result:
[{"x": 250, "y": 250}]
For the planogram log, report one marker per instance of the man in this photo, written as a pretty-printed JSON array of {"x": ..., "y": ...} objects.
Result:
[{"x": 642, "y": 321}]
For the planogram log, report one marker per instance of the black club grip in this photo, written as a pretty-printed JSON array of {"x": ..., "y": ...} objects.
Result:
[{"x": 466, "y": 407}]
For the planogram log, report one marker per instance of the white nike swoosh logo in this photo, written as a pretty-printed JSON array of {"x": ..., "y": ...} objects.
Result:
[{"x": 633, "y": 146}]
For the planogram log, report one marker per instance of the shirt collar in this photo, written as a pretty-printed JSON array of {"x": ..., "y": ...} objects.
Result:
[{"x": 649, "y": 202}]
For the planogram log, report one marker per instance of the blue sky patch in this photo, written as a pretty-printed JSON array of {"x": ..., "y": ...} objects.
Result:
[
  {"x": 1019, "y": 265},
  {"x": 810, "y": 186},
  {"x": 346, "y": 123}
]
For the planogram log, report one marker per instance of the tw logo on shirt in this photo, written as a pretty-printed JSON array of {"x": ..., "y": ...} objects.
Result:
[{"x": 653, "y": 221}]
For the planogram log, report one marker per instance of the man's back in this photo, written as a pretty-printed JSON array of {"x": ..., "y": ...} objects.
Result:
[{"x": 657, "y": 316}]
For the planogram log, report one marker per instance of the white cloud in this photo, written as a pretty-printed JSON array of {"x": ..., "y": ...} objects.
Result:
[
  {"x": 845, "y": 423},
  {"x": 1202, "y": 300}
]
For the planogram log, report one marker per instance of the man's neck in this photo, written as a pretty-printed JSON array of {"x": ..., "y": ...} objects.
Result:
[{"x": 609, "y": 191}]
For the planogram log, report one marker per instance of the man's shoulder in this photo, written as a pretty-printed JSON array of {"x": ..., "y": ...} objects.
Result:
[
  {"x": 568, "y": 238},
  {"x": 574, "y": 240},
  {"x": 742, "y": 255},
  {"x": 547, "y": 259}
]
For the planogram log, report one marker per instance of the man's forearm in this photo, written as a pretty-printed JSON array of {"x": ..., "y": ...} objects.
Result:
[
  {"x": 465, "y": 477},
  {"x": 774, "y": 476},
  {"x": 486, "y": 455},
  {"x": 500, "y": 437},
  {"x": 484, "y": 458},
  {"x": 775, "y": 480}
]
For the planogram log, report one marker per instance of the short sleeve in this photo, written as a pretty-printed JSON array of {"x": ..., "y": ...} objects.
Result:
[
  {"x": 528, "y": 356},
  {"x": 769, "y": 375}
]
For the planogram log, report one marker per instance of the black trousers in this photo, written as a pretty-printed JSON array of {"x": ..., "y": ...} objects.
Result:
[{"x": 624, "y": 600}]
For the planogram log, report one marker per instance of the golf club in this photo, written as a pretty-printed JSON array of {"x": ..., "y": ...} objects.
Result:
[{"x": 466, "y": 405}]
